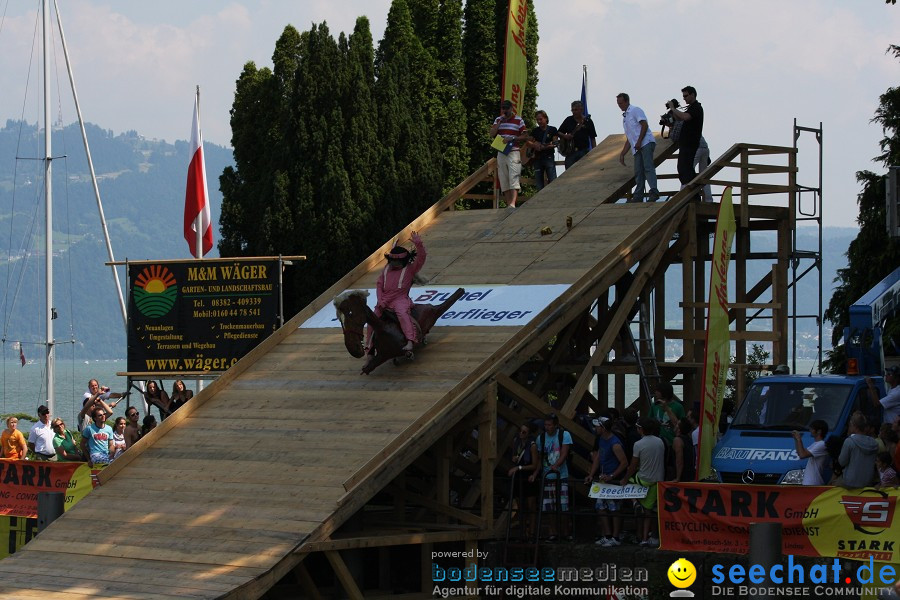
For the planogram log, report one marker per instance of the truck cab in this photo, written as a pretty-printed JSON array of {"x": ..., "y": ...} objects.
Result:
[{"x": 758, "y": 446}]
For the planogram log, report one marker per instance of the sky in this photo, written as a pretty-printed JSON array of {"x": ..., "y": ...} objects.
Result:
[{"x": 756, "y": 65}]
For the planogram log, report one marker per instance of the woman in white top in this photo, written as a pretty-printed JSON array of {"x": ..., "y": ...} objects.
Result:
[{"x": 117, "y": 443}]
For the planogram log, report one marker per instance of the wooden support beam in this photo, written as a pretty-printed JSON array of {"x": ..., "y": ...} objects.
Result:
[
  {"x": 425, "y": 567},
  {"x": 742, "y": 249},
  {"x": 306, "y": 582},
  {"x": 749, "y": 336},
  {"x": 487, "y": 453},
  {"x": 539, "y": 407},
  {"x": 382, "y": 539},
  {"x": 443, "y": 452},
  {"x": 745, "y": 192},
  {"x": 642, "y": 276},
  {"x": 763, "y": 305},
  {"x": 343, "y": 575},
  {"x": 444, "y": 509}
]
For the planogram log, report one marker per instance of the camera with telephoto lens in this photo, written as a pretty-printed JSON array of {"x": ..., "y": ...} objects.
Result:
[{"x": 666, "y": 119}]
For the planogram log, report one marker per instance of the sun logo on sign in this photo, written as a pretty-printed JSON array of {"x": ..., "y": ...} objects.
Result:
[{"x": 155, "y": 291}]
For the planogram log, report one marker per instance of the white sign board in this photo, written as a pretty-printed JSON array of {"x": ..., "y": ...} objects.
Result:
[
  {"x": 608, "y": 491},
  {"x": 494, "y": 305}
]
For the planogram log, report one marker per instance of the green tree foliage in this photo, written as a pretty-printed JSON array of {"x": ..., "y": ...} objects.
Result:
[
  {"x": 404, "y": 74},
  {"x": 339, "y": 146},
  {"x": 482, "y": 72},
  {"x": 438, "y": 24},
  {"x": 872, "y": 255},
  {"x": 531, "y": 54}
]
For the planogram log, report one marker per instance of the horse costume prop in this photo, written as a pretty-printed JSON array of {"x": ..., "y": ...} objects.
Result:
[{"x": 388, "y": 340}]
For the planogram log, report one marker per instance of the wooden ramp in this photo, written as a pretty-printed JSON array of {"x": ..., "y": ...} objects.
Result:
[{"x": 230, "y": 493}]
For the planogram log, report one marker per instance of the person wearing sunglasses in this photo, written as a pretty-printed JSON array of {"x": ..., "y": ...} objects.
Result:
[
  {"x": 64, "y": 443},
  {"x": 132, "y": 426},
  {"x": 96, "y": 439},
  {"x": 40, "y": 438}
]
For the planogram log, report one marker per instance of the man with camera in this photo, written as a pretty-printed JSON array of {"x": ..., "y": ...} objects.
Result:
[
  {"x": 640, "y": 139},
  {"x": 691, "y": 131}
]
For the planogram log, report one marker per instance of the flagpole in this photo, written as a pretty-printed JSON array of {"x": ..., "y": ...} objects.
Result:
[
  {"x": 198, "y": 222},
  {"x": 584, "y": 69}
]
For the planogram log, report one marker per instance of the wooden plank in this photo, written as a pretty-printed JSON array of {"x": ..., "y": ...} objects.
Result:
[
  {"x": 230, "y": 558},
  {"x": 141, "y": 576},
  {"x": 291, "y": 326},
  {"x": 299, "y": 391}
]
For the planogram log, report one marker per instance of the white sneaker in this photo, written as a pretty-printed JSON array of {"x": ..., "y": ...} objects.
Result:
[
  {"x": 602, "y": 541},
  {"x": 653, "y": 542},
  {"x": 612, "y": 542}
]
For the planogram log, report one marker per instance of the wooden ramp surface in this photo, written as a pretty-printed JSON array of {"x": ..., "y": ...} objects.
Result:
[{"x": 220, "y": 498}]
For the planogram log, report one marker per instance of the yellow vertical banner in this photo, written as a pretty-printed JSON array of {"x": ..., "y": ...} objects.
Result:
[
  {"x": 718, "y": 340},
  {"x": 515, "y": 67}
]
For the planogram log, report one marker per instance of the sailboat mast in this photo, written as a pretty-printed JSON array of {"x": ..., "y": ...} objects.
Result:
[
  {"x": 90, "y": 162},
  {"x": 48, "y": 199}
]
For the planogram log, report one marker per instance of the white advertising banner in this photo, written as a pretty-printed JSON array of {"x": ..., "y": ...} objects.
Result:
[
  {"x": 609, "y": 491},
  {"x": 494, "y": 305}
]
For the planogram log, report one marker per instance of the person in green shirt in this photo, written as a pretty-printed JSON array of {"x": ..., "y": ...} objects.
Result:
[
  {"x": 64, "y": 443},
  {"x": 666, "y": 409}
]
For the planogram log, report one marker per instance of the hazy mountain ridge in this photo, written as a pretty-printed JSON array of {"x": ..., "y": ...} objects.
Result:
[{"x": 142, "y": 185}]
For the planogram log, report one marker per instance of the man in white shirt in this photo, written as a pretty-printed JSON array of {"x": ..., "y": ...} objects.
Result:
[
  {"x": 40, "y": 440},
  {"x": 891, "y": 402},
  {"x": 642, "y": 143},
  {"x": 817, "y": 453}
]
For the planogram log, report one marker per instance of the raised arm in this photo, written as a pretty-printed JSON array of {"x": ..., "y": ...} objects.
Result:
[
  {"x": 801, "y": 451},
  {"x": 421, "y": 254}
]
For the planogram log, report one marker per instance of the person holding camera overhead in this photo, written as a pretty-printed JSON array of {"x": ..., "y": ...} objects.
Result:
[
  {"x": 640, "y": 139},
  {"x": 691, "y": 132}
]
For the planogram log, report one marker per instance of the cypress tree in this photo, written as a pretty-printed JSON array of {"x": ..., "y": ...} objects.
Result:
[
  {"x": 410, "y": 168},
  {"x": 482, "y": 74},
  {"x": 338, "y": 146},
  {"x": 362, "y": 153},
  {"x": 451, "y": 129},
  {"x": 438, "y": 26},
  {"x": 425, "y": 22}
]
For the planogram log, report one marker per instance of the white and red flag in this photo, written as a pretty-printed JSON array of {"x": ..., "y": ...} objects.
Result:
[{"x": 196, "y": 200}]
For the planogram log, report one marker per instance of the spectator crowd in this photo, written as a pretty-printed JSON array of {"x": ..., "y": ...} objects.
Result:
[{"x": 100, "y": 443}]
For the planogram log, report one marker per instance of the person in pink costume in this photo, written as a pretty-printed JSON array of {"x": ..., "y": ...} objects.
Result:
[{"x": 393, "y": 288}]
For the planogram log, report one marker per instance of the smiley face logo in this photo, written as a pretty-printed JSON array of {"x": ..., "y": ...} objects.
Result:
[{"x": 682, "y": 573}]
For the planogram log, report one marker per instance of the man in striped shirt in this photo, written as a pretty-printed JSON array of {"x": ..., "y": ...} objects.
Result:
[{"x": 511, "y": 128}]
